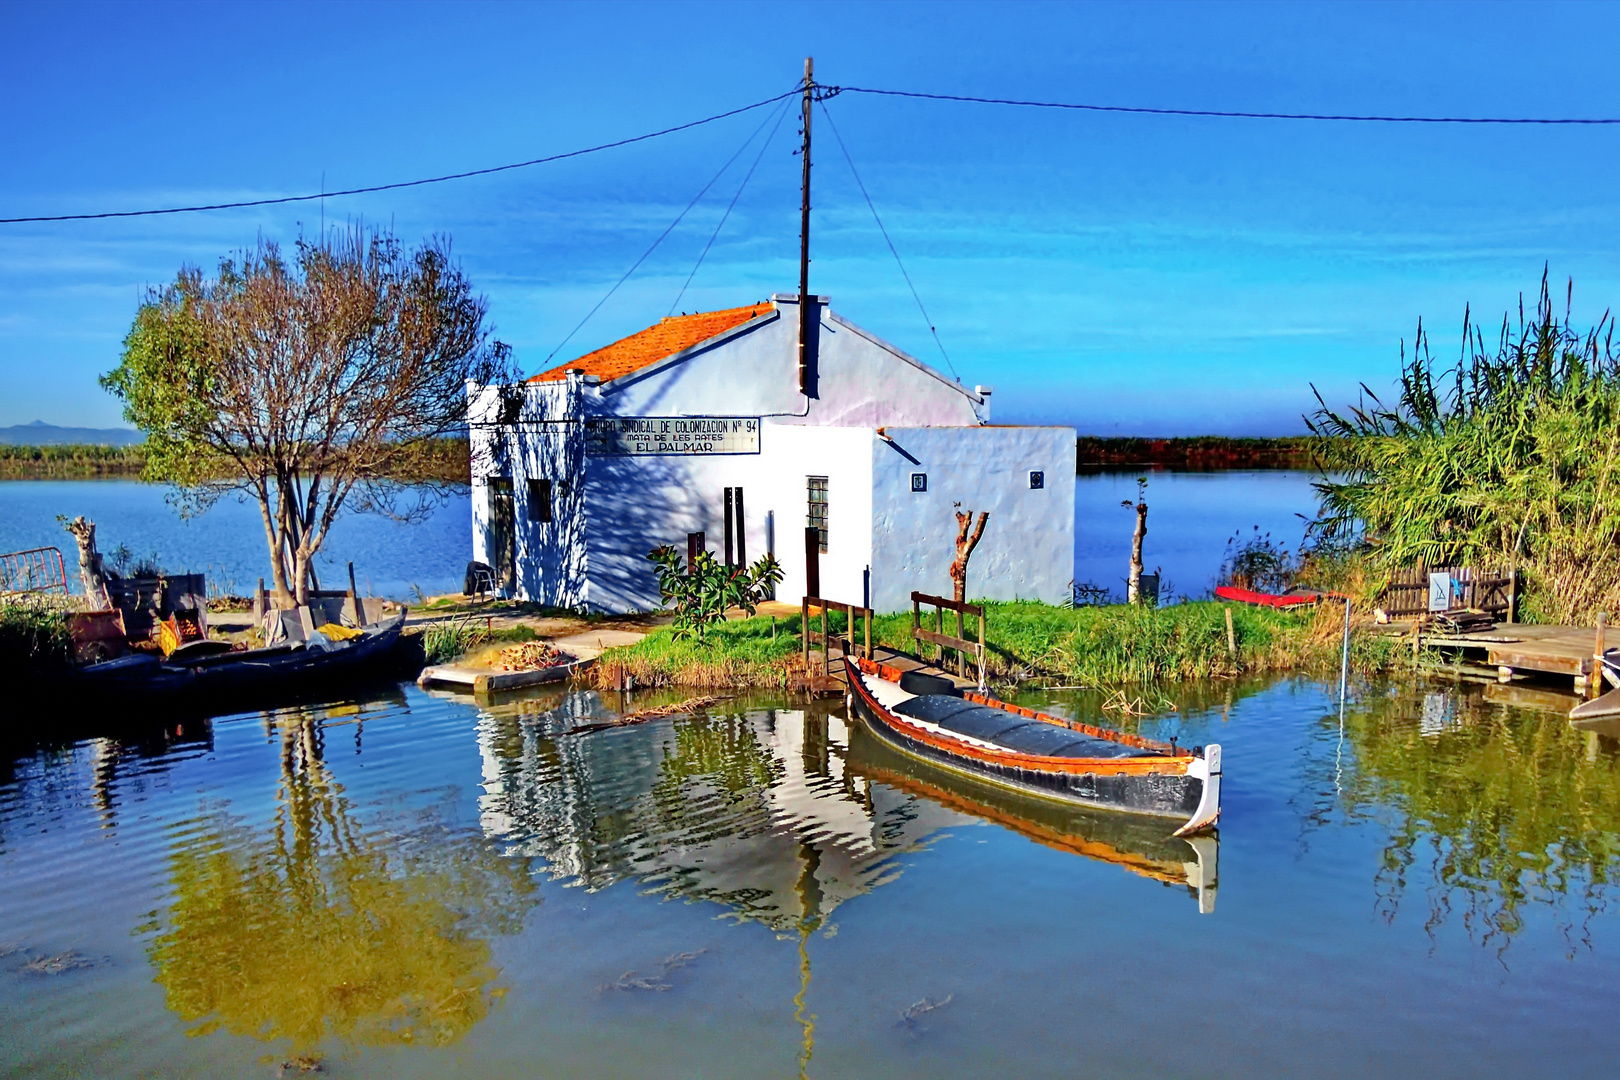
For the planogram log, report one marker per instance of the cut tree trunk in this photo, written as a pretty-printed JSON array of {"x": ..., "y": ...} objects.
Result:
[
  {"x": 964, "y": 551},
  {"x": 90, "y": 569},
  {"x": 1133, "y": 587}
]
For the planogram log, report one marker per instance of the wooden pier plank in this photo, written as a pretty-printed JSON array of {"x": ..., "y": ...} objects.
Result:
[{"x": 1550, "y": 649}]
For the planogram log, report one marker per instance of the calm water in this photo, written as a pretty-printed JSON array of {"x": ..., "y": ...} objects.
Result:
[
  {"x": 1190, "y": 518},
  {"x": 415, "y": 886},
  {"x": 227, "y": 542}
]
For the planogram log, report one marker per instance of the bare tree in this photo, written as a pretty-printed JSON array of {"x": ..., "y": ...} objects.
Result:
[
  {"x": 1133, "y": 585},
  {"x": 307, "y": 384},
  {"x": 90, "y": 562}
]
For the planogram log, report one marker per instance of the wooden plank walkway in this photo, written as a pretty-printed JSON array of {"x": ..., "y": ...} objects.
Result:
[
  {"x": 830, "y": 679},
  {"x": 1512, "y": 648}
]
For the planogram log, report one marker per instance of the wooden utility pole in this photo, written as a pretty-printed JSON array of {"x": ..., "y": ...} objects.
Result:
[{"x": 804, "y": 238}]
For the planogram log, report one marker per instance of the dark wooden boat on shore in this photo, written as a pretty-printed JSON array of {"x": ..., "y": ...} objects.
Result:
[
  {"x": 1030, "y": 752},
  {"x": 199, "y": 674}
]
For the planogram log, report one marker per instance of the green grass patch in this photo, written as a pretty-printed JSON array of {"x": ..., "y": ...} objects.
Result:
[
  {"x": 1026, "y": 640},
  {"x": 742, "y": 653}
]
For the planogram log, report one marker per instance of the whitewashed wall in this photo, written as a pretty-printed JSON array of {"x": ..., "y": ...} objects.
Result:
[
  {"x": 634, "y": 504},
  {"x": 531, "y": 432},
  {"x": 1027, "y": 550}
]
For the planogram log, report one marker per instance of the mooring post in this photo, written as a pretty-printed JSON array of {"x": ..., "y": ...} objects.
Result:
[
  {"x": 804, "y": 631},
  {"x": 1344, "y": 662},
  {"x": 1231, "y": 634},
  {"x": 1594, "y": 685},
  {"x": 354, "y": 598}
]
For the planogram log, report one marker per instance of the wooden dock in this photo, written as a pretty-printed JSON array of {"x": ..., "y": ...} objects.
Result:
[
  {"x": 824, "y": 649},
  {"x": 1518, "y": 648}
]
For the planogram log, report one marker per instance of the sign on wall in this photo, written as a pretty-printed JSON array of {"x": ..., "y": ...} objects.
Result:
[{"x": 635, "y": 436}]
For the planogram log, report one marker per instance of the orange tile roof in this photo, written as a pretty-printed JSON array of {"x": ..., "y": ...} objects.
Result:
[{"x": 663, "y": 339}]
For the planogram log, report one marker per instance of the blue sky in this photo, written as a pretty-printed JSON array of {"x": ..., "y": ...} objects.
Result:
[{"x": 1124, "y": 274}]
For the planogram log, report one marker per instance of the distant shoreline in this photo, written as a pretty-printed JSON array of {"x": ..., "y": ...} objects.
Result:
[
  {"x": 445, "y": 461},
  {"x": 1201, "y": 453},
  {"x": 448, "y": 461}
]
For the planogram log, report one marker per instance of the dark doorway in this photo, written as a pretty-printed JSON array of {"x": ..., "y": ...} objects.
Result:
[{"x": 503, "y": 532}]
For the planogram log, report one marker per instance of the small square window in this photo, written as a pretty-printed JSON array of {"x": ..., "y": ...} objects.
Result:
[
  {"x": 1037, "y": 480},
  {"x": 919, "y": 481}
]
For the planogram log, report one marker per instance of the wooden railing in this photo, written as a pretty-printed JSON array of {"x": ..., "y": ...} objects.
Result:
[
  {"x": 826, "y": 636},
  {"x": 961, "y": 646},
  {"x": 1495, "y": 593}
]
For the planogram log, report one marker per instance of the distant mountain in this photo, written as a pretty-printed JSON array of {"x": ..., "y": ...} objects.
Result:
[{"x": 40, "y": 433}]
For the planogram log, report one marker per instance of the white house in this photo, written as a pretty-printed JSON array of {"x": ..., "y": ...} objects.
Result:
[{"x": 582, "y": 470}]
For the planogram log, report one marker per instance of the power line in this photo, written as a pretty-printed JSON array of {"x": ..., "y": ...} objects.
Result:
[
  {"x": 780, "y": 116},
  {"x": 405, "y": 183},
  {"x": 832, "y": 90},
  {"x": 886, "y": 240},
  {"x": 667, "y": 230}
]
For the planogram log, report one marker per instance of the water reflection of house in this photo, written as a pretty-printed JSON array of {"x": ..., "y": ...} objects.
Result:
[
  {"x": 584, "y": 468},
  {"x": 756, "y": 811}
]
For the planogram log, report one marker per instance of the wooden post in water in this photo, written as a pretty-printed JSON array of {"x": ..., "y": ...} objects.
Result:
[
  {"x": 354, "y": 598},
  {"x": 804, "y": 630},
  {"x": 1594, "y": 685}
]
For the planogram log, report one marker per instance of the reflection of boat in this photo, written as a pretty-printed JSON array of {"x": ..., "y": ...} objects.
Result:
[
  {"x": 1127, "y": 841},
  {"x": 239, "y": 679},
  {"x": 1034, "y": 753}
]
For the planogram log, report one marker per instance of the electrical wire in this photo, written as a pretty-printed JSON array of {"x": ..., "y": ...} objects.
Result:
[
  {"x": 661, "y": 236},
  {"x": 892, "y": 250},
  {"x": 780, "y": 116},
  {"x": 408, "y": 183},
  {"x": 833, "y": 90}
]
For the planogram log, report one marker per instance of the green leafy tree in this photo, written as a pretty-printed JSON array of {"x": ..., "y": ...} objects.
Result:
[
  {"x": 311, "y": 384},
  {"x": 701, "y": 594}
]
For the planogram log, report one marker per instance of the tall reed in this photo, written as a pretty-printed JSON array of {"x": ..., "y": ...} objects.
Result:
[{"x": 1510, "y": 458}]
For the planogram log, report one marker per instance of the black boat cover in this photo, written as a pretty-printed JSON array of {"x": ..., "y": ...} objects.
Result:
[{"x": 1009, "y": 730}]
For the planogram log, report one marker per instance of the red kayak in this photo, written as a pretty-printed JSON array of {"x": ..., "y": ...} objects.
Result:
[{"x": 1274, "y": 600}]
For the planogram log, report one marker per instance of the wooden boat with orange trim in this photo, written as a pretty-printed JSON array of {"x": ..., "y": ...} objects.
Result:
[{"x": 1024, "y": 750}]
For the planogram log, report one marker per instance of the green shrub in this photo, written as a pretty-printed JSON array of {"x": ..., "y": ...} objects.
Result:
[
  {"x": 444, "y": 641},
  {"x": 702, "y": 593}
]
